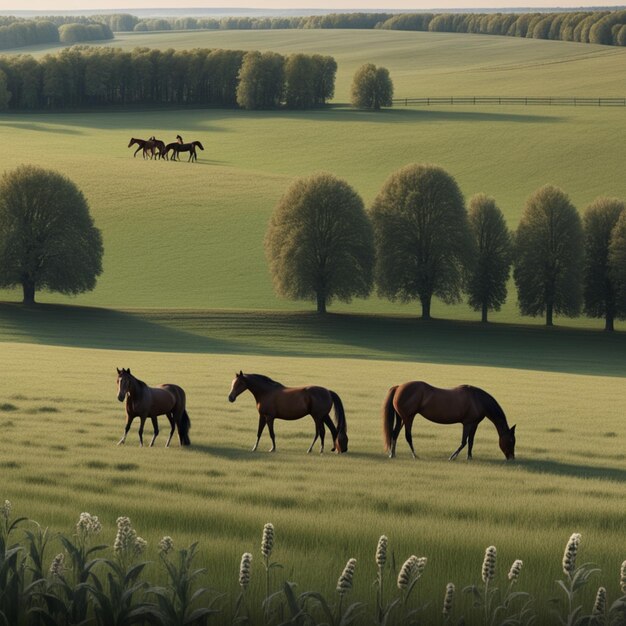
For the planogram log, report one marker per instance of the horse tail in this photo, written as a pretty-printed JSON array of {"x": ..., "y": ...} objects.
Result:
[
  {"x": 183, "y": 429},
  {"x": 389, "y": 415},
  {"x": 340, "y": 414}
]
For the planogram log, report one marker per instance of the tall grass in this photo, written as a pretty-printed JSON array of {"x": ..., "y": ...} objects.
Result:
[{"x": 113, "y": 590}]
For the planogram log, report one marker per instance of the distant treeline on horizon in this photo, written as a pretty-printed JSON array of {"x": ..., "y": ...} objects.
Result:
[{"x": 607, "y": 27}]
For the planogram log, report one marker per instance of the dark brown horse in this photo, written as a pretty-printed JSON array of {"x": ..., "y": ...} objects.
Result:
[
  {"x": 177, "y": 147},
  {"x": 159, "y": 148},
  {"x": 147, "y": 145},
  {"x": 465, "y": 405},
  {"x": 149, "y": 402},
  {"x": 275, "y": 401}
]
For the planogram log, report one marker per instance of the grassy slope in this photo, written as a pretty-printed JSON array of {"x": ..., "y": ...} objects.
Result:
[
  {"x": 569, "y": 475},
  {"x": 182, "y": 236}
]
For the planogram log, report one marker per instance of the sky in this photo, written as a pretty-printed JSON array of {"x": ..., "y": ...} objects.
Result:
[{"x": 59, "y": 5}]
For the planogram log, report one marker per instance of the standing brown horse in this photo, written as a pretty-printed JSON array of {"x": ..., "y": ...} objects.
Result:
[
  {"x": 465, "y": 405},
  {"x": 177, "y": 147},
  {"x": 275, "y": 401},
  {"x": 147, "y": 145},
  {"x": 143, "y": 402}
]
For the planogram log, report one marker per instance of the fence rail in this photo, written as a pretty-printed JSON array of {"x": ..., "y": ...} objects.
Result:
[{"x": 545, "y": 101}]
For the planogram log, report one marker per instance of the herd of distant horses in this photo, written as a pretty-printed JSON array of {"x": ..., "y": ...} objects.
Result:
[
  {"x": 154, "y": 148},
  {"x": 466, "y": 405}
]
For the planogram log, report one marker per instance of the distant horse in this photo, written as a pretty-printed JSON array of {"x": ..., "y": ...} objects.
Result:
[
  {"x": 159, "y": 147},
  {"x": 177, "y": 147},
  {"x": 275, "y": 401},
  {"x": 465, "y": 405},
  {"x": 143, "y": 402},
  {"x": 147, "y": 145}
]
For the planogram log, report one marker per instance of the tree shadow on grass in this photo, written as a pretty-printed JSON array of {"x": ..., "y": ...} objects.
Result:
[{"x": 84, "y": 327}]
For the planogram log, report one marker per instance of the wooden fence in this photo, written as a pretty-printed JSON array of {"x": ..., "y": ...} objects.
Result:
[{"x": 530, "y": 100}]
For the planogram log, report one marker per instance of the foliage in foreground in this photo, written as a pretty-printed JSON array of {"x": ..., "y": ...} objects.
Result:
[{"x": 79, "y": 587}]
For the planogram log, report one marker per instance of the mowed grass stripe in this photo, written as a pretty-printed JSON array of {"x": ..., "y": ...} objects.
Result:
[{"x": 569, "y": 476}]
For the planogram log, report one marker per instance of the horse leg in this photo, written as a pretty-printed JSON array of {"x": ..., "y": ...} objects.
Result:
[
  {"x": 463, "y": 442},
  {"x": 270, "y": 426},
  {"x": 333, "y": 431},
  {"x": 170, "y": 417},
  {"x": 134, "y": 155},
  {"x": 129, "y": 421},
  {"x": 155, "y": 426},
  {"x": 317, "y": 434},
  {"x": 409, "y": 436},
  {"x": 470, "y": 439},
  {"x": 394, "y": 436},
  {"x": 259, "y": 431},
  {"x": 141, "y": 425}
]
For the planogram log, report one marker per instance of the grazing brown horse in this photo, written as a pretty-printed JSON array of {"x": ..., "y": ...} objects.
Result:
[
  {"x": 143, "y": 402},
  {"x": 275, "y": 401},
  {"x": 147, "y": 145},
  {"x": 465, "y": 405}
]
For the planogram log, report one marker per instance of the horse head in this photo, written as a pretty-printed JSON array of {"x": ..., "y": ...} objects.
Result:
[
  {"x": 124, "y": 380},
  {"x": 238, "y": 386},
  {"x": 132, "y": 141},
  {"x": 179, "y": 139},
  {"x": 507, "y": 444}
]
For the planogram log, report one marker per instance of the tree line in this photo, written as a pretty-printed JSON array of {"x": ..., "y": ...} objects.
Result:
[
  {"x": 17, "y": 32},
  {"x": 598, "y": 26},
  {"x": 84, "y": 76},
  {"x": 418, "y": 241}
]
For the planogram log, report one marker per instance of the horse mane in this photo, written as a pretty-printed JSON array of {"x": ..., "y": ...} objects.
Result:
[
  {"x": 492, "y": 409},
  {"x": 264, "y": 379}
]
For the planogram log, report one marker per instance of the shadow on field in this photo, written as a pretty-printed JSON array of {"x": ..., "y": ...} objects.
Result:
[
  {"x": 232, "y": 454},
  {"x": 84, "y": 327},
  {"x": 575, "y": 471},
  {"x": 428, "y": 114},
  {"x": 331, "y": 336},
  {"x": 40, "y": 128}
]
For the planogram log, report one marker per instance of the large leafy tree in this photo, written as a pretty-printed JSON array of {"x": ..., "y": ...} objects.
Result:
[
  {"x": 548, "y": 256},
  {"x": 490, "y": 272},
  {"x": 261, "y": 80},
  {"x": 372, "y": 87},
  {"x": 599, "y": 289},
  {"x": 319, "y": 242},
  {"x": 47, "y": 237},
  {"x": 422, "y": 238},
  {"x": 617, "y": 263}
]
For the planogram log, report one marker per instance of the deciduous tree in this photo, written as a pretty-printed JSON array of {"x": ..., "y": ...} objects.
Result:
[
  {"x": 319, "y": 242},
  {"x": 422, "y": 238},
  {"x": 599, "y": 290},
  {"x": 617, "y": 263},
  {"x": 492, "y": 265},
  {"x": 47, "y": 237},
  {"x": 371, "y": 87},
  {"x": 548, "y": 256}
]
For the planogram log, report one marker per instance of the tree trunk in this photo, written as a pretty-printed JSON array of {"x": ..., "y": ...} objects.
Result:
[
  {"x": 321, "y": 303},
  {"x": 608, "y": 322},
  {"x": 425, "y": 300},
  {"x": 28, "y": 286},
  {"x": 485, "y": 309},
  {"x": 549, "y": 315}
]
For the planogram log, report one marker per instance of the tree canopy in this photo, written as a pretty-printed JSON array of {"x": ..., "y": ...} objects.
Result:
[
  {"x": 371, "y": 87},
  {"x": 599, "y": 290},
  {"x": 319, "y": 242},
  {"x": 548, "y": 259},
  {"x": 47, "y": 237},
  {"x": 617, "y": 263},
  {"x": 421, "y": 234},
  {"x": 492, "y": 266}
]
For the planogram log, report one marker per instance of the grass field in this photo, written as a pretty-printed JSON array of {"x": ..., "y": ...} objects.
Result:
[
  {"x": 185, "y": 297},
  {"x": 182, "y": 236},
  {"x": 62, "y": 459}
]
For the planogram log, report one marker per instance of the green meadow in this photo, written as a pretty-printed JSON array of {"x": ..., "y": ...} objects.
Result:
[{"x": 186, "y": 297}]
